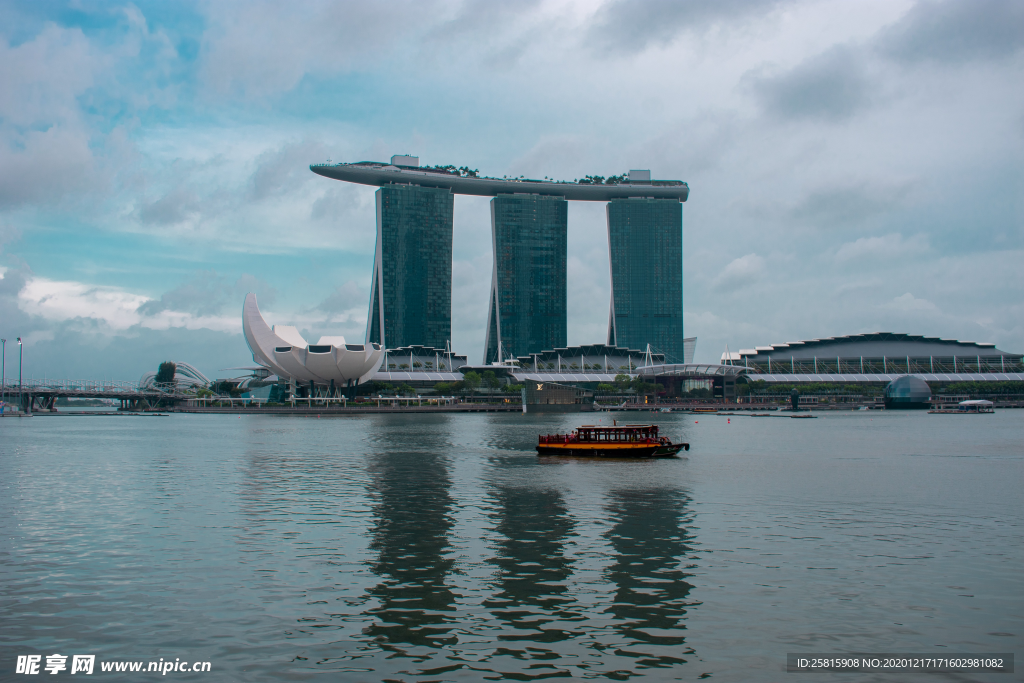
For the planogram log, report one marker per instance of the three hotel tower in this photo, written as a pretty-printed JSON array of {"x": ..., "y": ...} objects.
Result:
[{"x": 411, "y": 300}]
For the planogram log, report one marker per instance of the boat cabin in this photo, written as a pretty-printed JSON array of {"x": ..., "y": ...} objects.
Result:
[
  {"x": 976, "y": 406},
  {"x": 599, "y": 434}
]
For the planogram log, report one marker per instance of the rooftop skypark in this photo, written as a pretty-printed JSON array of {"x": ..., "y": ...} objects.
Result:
[{"x": 463, "y": 180}]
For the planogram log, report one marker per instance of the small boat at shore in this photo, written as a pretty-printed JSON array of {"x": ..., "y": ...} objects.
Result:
[
  {"x": 626, "y": 441},
  {"x": 967, "y": 408}
]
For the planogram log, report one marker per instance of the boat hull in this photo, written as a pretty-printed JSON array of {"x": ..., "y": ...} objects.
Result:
[{"x": 612, "y": 450}]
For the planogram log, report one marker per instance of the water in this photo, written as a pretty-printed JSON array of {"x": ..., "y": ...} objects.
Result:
[{"x": 439, "y": 547}]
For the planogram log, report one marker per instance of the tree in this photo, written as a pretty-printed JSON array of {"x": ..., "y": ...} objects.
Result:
[
  {"x": 606, "y": 389},
  {"x": 165, "y": 374},
  {"x": 623, "y": 381},
  {"x": 512, "y": 388},
  {"x": 471, "y": 380},
  {"x": 642, "y": 387},
  {"x": 490, "y": 379}
]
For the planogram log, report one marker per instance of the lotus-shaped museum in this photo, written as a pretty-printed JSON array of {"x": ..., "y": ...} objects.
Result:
[{"x": 283, "y": 351}]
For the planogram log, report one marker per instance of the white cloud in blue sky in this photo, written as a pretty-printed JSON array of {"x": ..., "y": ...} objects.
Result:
[{"x": 853, "y": 166}]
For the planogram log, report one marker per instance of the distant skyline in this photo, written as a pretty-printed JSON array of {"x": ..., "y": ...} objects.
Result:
[{"x": 853, "y": 167}]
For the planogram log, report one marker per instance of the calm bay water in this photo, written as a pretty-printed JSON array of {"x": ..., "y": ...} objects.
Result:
[{"x": 439, "y": 547}]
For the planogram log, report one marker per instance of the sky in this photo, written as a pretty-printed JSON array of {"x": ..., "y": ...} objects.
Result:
[{"x": 853, "y": 166}]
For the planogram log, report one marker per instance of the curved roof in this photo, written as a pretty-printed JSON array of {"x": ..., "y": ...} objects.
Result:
[
  {"x": 691, "y": 370},
  {"x": 380, "y": 173},
  {"x": 874, "y": 345},
  {"x": 857, "y": 378}
]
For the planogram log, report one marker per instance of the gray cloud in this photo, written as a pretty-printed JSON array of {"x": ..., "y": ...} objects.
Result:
[
  {"x": 848, "y": 204},
  {"x": 175, "y": 207},
  {"x": 260, "y": 49},
  {"x": 893, "y": 245},
  {"x": 740, "y": 272},
  {"x": 207, "y": 293},
  {"x": 76, "y": 349},
  {"x": 284, "y": 169},
  {"x": 831, "y": 86},
  {"x": 628, "y": 26},
  {"x": 14, "y": 322},
  {"x": 344, "y": 298},
  {"x": 950, "y": 31}
]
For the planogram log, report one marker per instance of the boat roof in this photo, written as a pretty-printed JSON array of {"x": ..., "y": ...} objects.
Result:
[{"x": 616, "y": 426}]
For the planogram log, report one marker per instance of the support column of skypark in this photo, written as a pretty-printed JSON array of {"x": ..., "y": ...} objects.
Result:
[
  {"x": 645, "y": 245},
  {"x": 411, "y": 296},
  {"x": 394, "y": 321},
  {"x": 527, "y": 312}
]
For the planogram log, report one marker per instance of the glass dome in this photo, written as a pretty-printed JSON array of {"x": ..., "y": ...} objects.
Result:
[{"x": 908, "y": 392}]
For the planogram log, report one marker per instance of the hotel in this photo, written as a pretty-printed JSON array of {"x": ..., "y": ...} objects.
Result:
[{"x": 527, "y": 308}]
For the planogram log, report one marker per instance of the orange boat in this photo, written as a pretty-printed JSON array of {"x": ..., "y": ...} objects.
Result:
[{"x": 627, "y": 441}]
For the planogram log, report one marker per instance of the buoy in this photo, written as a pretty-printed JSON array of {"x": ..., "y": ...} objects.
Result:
[{"x": 694, "y": 422}]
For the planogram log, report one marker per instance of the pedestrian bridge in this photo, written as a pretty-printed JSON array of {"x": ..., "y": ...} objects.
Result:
[{"x": 40, "y": 394}]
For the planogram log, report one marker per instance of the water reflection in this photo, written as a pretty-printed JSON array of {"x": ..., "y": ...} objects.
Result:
[
  {"x": 651, "y": 539},
  {"x": 533, "y": 568},
  {"x": 411, "y": 486}
]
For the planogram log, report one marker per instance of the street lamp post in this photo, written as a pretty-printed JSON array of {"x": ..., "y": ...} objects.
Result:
[{"x": 21, "y": 353}]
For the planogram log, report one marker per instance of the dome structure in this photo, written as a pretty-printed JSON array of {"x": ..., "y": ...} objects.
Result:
[
  {"x": 283, "y": 351},
  {"x": 907, "y": 392}
]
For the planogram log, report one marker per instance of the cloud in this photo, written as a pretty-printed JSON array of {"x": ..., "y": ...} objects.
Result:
[
  {"x": 551, "y": 155},
  {"x": 952, "y": 31},
  {"x": 740, "y": 272},
  {"x": 62, "y": 300},
  {"x": 626, "y": 26},
  {"x": 43, "y": 77},
  {"x": 832, "y": 86},
  {"x": 257, "y": 50},
  {"x": 205, "y": 295},
  {"x": 188, "y": 135},
  {"x": 885, "y": 247},
  {"x": 908, "y": 302},
  {"x": 73, "y": 350},
  {"x": 345, "y": 299},
  {"x": 109, "y": 310},
  {"x": 849, "y": 203},
  {"x": 284, "y": 169},
  {"x": 45, "y": 166},
  {"x": 177, "y": 206}
]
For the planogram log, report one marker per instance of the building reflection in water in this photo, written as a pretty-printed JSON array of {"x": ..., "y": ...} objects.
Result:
[
  {"x": 651, "y": 541},
  {"x": 533, "y": 569},
  {"x": 411, "y": 486}
]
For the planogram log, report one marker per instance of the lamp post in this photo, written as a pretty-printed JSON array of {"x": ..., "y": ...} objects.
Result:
[
  {"x": 21, "y": 353},
  {"x": 3, "y": 373}
]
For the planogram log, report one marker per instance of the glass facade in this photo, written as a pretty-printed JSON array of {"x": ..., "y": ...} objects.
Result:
[
  {"x": 528, "y": 285},
  {"x": 645, "y": 243},
  {"x": 411, "y": 298}
]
